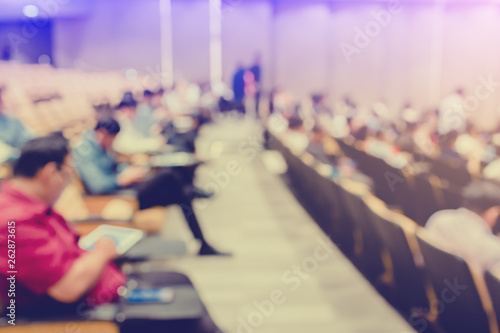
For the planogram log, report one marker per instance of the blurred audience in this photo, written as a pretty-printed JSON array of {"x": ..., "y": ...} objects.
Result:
[
  {"x": 55, "y": 275},
  {"x": 100, "y": 172}
]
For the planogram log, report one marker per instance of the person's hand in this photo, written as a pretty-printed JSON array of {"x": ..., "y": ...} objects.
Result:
[
  {"x": 131, "y": 175},
  {"x": 106, "y": 247}
]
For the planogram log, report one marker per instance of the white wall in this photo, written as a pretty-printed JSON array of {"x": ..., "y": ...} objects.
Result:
[
  {"x": 191, "y": 40},
  {"x": 301, "y": 47},
  {"x": 115, "y": 35},
  {"x": 420, "y": 54}
]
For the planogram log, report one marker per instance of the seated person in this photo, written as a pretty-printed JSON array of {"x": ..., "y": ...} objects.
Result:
[
  {"x": 54, "y": 276},
  {"x": 137, "y": 128},
  {"x": 131, "y": 140},
  {"x": 378, "y": 146},
  {"x": 144, "y": 119},
  {"x": 101, "y": 174},
  {"x": 296, "y": 137},
  {"x": 448, "y": 153},
  {"x": 13, "y": 134},
  {"x": 316, "y": 145},
  {"x": 468, "y": 231},
  {"x": 406, "y": 140}
]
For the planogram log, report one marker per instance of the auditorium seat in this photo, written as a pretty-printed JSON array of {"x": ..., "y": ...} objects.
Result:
[
  {"x": 492, "y": 278},
  {"x": 389, "y": 182},
  {"x": 452, "y": 196},
  {"x": 330, "y": 204},
  {"x": 427, "y": 197},
  {"x": 462, "y": 302},
  {"x": 403, "y": 183},
  {"x": 47, "y": 99},
  {"x": 454, "y": 173},
  {"x": 398, "y": 235},
  {"x": 368, "y": 244}
]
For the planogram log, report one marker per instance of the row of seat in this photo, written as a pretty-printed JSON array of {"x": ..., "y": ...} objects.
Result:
[
  {"x": 416, "y": 189},
  {"x": 48, "y": 99},
  {"x": 426, "y": 281}
]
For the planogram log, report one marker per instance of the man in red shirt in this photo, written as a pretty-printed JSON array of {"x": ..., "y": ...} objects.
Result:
[
  {"x": 52, "y": 274},
  {"x": 48, "y": 263}
]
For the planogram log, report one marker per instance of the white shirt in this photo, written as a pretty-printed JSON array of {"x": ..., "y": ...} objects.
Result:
[
  {"x": 452, "y": 114},
  {"x": 492, "y": 170},
  {"x": 129, "y": 141},
  {"x": 466, "y": 234}
]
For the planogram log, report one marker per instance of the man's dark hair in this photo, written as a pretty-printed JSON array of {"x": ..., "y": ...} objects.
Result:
[
  {"x": 39, "y": 152},
  {"x": 109, "y": 124},
  {"x": 128, "y": 100},
  {"x": 148, "y": 93},
  {"x": 481, "y": 195},
  {"x": 295, "y": 122}
]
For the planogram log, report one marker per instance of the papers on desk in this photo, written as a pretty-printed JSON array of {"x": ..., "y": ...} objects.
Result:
[{"x": 174, "y": 160}]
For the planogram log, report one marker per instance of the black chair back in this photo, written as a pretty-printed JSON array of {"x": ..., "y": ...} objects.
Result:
[
  {"x": 369, "y": 243},
  {"x": 425, "y": 198},
  {"x": 492, "y": 278},
  {"x": 453, "y": 172},
  {"x": 460, "y": 307},
  {"x": 398, "y": 235}
]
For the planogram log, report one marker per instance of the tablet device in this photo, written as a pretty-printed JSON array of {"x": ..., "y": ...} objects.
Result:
[{"x": 124, "y": 238}]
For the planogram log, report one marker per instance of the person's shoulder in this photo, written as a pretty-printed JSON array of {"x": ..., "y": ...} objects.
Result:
[
  {"x": 14, "y": 210},
  {"x": 85, "y": 146},
  {"x": 16, "y": 206},
  {"x": 442, "y": 218},
  {"x": 10, "y": 119}
]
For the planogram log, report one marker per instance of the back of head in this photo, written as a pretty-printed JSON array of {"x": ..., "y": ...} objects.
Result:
[
  {"x": 128, "y": 101},
  {"x": 39, "y": 152},
  {"x": 481, "y": 195},
  {"x": 109, "y": 124},
  {"x": 295, "y": 122}
]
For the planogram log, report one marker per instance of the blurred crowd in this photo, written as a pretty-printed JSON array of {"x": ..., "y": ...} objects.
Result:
[
  {"x": 436, "y": 166},
  {"x": 401, "y": 138}
]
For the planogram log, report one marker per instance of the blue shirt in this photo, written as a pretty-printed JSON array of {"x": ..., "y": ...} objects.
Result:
[
  {"x": 13, "y": 132},
  {"x": 97, "y": 168},
  {"x": 144, "y": 120}
]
